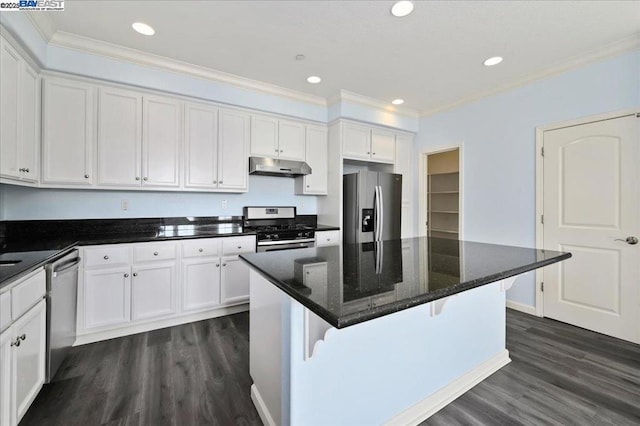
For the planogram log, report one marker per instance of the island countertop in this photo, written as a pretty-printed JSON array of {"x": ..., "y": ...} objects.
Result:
[{"x": 353, "y": 283}]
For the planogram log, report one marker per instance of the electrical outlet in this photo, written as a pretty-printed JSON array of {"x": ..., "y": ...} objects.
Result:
[
  {"x": 301, "y": 204},
  {"x": 224, "y": 204},
  {"x": 124, "y": 204}
]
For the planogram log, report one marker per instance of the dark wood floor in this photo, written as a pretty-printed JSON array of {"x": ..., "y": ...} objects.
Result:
[{"x": 198, "y": 374}]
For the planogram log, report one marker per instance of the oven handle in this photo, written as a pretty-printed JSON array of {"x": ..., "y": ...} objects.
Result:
[
  {"x": 276, "y": 243},
  {"x": 280, "y": 248}
]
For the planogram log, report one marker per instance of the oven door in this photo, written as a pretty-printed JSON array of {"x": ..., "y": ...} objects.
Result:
[{"x": 285, "y": 245}]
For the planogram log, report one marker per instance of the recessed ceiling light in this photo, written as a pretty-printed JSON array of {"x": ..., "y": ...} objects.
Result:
[
  {"x": 143, "y": 28},
  {"x": 397, "y": 101},
  {"x": 402, "y": 8},
  {"x": 492, "y": 61},
  {"x": 314, "y": 79}
]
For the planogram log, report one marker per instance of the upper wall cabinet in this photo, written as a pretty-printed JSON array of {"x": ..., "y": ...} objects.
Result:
[
  {"x": 275, "y": 138},
  {"x": 68, "y": 132},
  {"x": 19, "y": 117},
  {"x": 216, "y": 148},
  {"x": 161, "y": 141},
  {"x": 364, "y": 143},
  {"x": 317, "y": 158}
]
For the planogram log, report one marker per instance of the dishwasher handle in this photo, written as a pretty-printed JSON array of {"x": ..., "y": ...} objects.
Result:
[{"x": 67, "y": 266}]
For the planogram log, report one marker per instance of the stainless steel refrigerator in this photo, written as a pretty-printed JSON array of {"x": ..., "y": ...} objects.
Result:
[{"x": 372, "y": 206}]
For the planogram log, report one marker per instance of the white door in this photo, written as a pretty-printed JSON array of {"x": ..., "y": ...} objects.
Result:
[
  {"x": 68, "y": 132},
  {"x": 264, "y": 136},
  {"x": 234, "y": 280},
  {"x": 161, "y": 141},
  {"x": 317, "y": 158},
  {"x": 201, "y": 147},
  {"x": 9, "y": 106},
  {"x": 107, "y": 297},
  {"x": 200, "y": 284},
  {"x": 119, "y": 137},
  {"x": 29, "y": 358},
  {"x": 29, "y": 134},
  {"x": 383, "y": 146},
  {"x": 591, "y": 205},
  {"x": 290, "y": 140},
  {"x": 153, "y": 290},
  {"x": 233, "y": 141},
  {"x": 356, "y": 141},
  {"x": 6, "y": 349}
]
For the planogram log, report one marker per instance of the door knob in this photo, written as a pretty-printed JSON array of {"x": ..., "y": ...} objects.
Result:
[{"x": 629, "y": 240}]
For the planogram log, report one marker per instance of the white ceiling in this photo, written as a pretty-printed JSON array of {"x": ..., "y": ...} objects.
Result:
[{"x": 431, "y": 58}]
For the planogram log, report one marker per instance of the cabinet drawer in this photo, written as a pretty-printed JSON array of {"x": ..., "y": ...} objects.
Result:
[
  {"x": 107, "y": 256},
  {"x": 201, "y": 248},
  {"x": 27, "y": 293},
  {"x": 151, "y": 252},
  {"x": 327, "y": 238},
  {"x": 5, "y": 310},
  {"x": 236, "y": 245}
]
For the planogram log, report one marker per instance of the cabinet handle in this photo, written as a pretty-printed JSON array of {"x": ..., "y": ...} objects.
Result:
[
  {"x": 135, "y": 274},
  {"x": 155, "y": 253},
  {"x": 137, "y": 177},
  {"x": 16, "y": 343},
  {"x": 200, "y": 250},
  {"x": 86, "y": 176},
  {"x": 106, "y": 257},
  {"x": 126, "y": 275},
  {"x": 145, "y": 178},
  {"x": 23, "y": 337}
]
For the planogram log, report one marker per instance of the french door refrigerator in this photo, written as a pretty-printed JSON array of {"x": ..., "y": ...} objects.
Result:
[{"x": 371, "y": 206}]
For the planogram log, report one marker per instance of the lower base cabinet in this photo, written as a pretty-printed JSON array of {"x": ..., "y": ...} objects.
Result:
[
  {"x": 107, "y": 297},
  {"x": 200, "y": 284},
  {"x": 234, "y": 280},
  {"x": 152, "y": 291}
]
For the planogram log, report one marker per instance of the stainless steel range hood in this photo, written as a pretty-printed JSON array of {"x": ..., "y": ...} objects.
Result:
[{"x": 273, "y": 167}]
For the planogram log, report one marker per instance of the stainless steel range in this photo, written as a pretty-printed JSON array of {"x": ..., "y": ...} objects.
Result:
[{"x": 276, "y": 228}]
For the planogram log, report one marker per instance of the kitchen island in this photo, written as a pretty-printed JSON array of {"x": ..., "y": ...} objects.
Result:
[{"x": 375, "y": 333}]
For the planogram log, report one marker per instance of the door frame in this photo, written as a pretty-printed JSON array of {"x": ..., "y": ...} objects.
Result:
[
  {"x": 422, "y": 187},
  {"x": 539, "y": 307}
]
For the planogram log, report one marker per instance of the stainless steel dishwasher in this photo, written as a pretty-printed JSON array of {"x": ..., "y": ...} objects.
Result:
[{"x": 62, "y": 293}]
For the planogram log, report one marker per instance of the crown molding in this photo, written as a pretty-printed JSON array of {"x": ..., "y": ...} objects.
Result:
[
  {"x": 43, "y": 23},
  {"x": 617, "y": 48},
  {"x": 345, "y": 95},
  {"x": 110, "y": 50}
]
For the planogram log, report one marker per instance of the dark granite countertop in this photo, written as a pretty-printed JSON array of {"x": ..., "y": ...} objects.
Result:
[{"x": 370, "y": 280}]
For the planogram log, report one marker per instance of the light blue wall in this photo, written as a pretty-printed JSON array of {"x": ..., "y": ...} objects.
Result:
[
  {"x": 498, "y": 139},
  {"x": 22, "y": 203}
]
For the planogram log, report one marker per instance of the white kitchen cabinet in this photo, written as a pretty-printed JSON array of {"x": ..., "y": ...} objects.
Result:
[
  {"x": 107, "y": 297},
  {"x": 315, "y": 277},
  {"x": 234, "y": 280},
  {"x": 20, "y": 112},
  {"x": 317, "y": 158},
  {"x": 68, "y": 132},
  {"x": 200, "y": 283},
  {"x": 233, "y": 141},
  {"x": 360, "y": 142},
  {"x": 153, "y": 290},
  {"x": 161, "y": 141},
  {"x": 119, "y": 137},
  {"x": 201, "y": 146},
  {"x": 327, "y": 238},
  {"x": 6, "y": 338},
  {"x": 274, "y": 138},
  {"x": 404, "y": 161}
]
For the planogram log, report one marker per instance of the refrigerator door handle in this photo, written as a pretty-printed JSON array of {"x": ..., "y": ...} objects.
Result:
[
  {"x": 375, "y": 213},
  {"x": 381, "y": 228},
  {"x": 378, "y": 214}
]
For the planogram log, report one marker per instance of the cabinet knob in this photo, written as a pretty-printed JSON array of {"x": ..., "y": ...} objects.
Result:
[
  {"x": 135, "y": 274},
  {"x": 145, "y": 178},
  {"x": 126, "y": 275},
  {"x": 307, "y": 186},
  {"x": 368, "y": 153},
  {"x": 215, "y": 181},
  {"x": 137, "y": 177},
  {"x": 16, "y": 343},
  {"x": 374, "y": 153},
  {"x": 328, "y": 239},
  {"x": 220, "y": 182},
  {"x": 23, "y": 337},
  {"x": 239, "y": 247},
  {"x": 155, "y": 253},
  {"x": 217, "y": 265},
  {"x": 276, "y": 150},
  {"x": 200, "y": 250},
  {"x": 26, "y": 170},
  {"x": 21, "y": 169},
  {"x": 106, "y": 257},
  {"x": 280, "y": 150},
  {"x": 86, "y": 176},
  {"x": 224, "y": 264}
]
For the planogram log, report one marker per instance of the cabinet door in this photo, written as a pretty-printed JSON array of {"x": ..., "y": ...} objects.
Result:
[
  {"x": 119, "y": 137},
  {"x": 107, "y": 297},
  {"x": 291, "y": 140},
  {"x": 28, "y": 358},
  {"x": 234, "y": 280},
  {"x": 68, "y": 132},
  {"x": 404, "y": 166},
  {"x": 356, "y": 142},
  {"x": 383, "y": 146},
  {"x": 161, "y": 141},
  {"x": 317, "y": 158},
  {"x": 153, "y": 291},
  {"x": 315, "y": 278},
  {"x": 327, "y": 238},
  {"x": 29, "y": 134},
  {"x": 9, "y": 107},
  {"x": 264, "y": 136},
  {"x": 233, "y": 141},
  {"x": 200, "y": 284},
  {"x": 201, "y": 146},
  {"x": 6, "y": 376}
]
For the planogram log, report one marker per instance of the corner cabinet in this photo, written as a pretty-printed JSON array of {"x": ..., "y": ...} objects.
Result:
[
  {"x": 317, "y": 158},
  {"x": 69, "y": 132},
  {"x": 20, "y": 117}
]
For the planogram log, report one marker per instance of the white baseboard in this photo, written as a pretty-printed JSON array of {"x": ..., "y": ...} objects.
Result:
[
  {"x": 441, "y": 398},
  {"x": 516, "y": 306},
  {"x": 155, "y": 325},
  {"x": 261, "y": 407}
]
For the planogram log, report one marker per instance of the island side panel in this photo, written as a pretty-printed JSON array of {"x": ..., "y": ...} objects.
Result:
[{"x": 371, "y": 372}]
